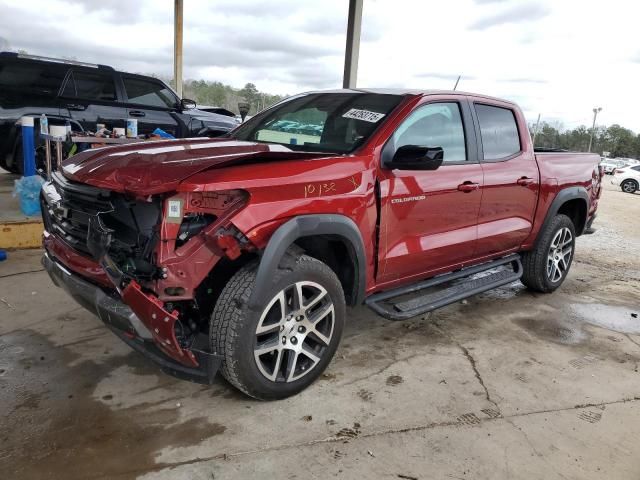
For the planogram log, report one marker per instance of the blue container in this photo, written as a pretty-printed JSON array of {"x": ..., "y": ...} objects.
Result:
[
  {"x": 3, "y": 255},
  {"x": 27, "y": 189}
]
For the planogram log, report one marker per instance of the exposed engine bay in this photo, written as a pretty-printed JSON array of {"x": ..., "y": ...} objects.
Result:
[{"x": 153, "y": 250}]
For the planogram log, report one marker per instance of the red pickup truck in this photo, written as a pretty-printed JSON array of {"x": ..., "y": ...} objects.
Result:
[{"x": 242, "y": 253}]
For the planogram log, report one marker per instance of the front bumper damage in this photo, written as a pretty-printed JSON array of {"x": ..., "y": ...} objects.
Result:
[{"x": 154, "y": 338}]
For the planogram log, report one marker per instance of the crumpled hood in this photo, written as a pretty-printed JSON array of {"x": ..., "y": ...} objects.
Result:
[{"x": 159, "y": 166}]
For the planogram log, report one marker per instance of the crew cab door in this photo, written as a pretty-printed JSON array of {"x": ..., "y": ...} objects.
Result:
[
  {"x": 152, "y": 104},
  {"x": 511, "y": 178},
  {"x": 428, "y": 219},
  {"x": 90, "y": 97}
]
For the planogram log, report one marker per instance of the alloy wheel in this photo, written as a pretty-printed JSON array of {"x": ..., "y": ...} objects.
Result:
[
  {"x": 559, "y": 256},
  {"x": 294, "y": 331}
]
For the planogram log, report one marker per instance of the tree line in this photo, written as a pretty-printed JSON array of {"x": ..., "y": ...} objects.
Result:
[
  {"x": 217, "y": 94},
  {"x": 617, "y": 140}
]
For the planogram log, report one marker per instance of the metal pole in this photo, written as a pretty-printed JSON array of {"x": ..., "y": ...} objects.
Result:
[
  {"x": 593, "y": 127},
  {"x": 456, "y": 85},
  {"x": 177, "y": 45},
  {"x": 352, "y": 49},
  {"x": 535, "y": 132},
  {"x": 47, "y": 154},
  {"x": 59, "y": 154}
]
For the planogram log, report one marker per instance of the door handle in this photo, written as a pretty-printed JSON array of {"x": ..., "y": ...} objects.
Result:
[
  {"x": 468, "y": 186},
  {"x": 525, "y": 181},
  {"x": 136, "y": 113},
  {"x": 76, "y": 106}
]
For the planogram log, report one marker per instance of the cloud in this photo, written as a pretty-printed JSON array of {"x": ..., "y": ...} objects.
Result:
[
  {"x": 114, "y": 10},
  {"x": 524, "y": 80},
  {"x": 521, "y": 13},
  {"x": 544, "y": 61},
  {"x": 444, "y": 76}
]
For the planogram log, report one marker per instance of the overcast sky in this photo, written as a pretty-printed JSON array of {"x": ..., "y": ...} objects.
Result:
[{"x": 560, "y": 58}]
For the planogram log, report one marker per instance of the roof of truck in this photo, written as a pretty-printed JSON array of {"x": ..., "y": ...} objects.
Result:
[{"x": 411, "y": 91}]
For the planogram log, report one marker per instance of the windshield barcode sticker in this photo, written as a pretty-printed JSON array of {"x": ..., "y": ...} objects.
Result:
[{"x": 364, "y": 115}]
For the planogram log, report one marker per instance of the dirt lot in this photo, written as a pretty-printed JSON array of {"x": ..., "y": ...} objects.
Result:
[{"x": 507, "y": 385}]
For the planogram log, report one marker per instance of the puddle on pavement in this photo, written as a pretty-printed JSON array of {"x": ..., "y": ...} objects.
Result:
[
  {"x": 618, "y": 319},
  {"x": 554, "y": 330},
  {"x": 571, "y": 331},
  {"x": 53, "y": 427}
]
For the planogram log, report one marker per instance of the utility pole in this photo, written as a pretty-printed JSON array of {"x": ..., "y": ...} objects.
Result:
[
  {"x": 535, "y": 131},
  {"x": 596, "y": 111},
  {"x": 352, "y": 48},
  {"x": 177, "y": 45}
]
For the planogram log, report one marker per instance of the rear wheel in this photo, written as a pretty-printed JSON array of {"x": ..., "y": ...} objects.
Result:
[
  {"x": 547, "y": 265},
  {"x": 629, "y": 186},
  {"x": 283, "y": 348}
]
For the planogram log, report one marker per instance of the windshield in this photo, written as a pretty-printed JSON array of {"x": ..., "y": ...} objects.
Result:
[{"x": 332, "y": 122}]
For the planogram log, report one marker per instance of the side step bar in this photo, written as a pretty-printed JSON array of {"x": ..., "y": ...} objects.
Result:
[{"x": 383, "y": 305}]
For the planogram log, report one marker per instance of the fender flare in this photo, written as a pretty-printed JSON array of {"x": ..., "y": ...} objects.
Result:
[
  {"x": 306, "y": 226},
  {"x": 563, "y": 196}
]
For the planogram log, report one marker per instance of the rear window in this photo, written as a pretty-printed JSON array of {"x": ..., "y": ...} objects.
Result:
[
  {"x": 91, "y": 86},
  {"x": 32, "y": 78},
  {"x": 499, "y": 132}
]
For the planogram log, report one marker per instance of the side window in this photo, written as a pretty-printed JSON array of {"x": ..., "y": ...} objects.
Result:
[
  {"x": 434, "y": 125},
  {"x": 148, "y": 93},
  {"x": 499, "y": 132},
  {"x": 636, "y": 168},
  {"x": 33, "y": 78},
  {"x": 90, "y": 86}
]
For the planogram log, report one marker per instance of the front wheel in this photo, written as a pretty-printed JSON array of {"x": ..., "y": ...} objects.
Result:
[
  {"x": 629, "y": 186},
  {"x": 547, "y": 265},
  {"x": 280, "y": 350}
]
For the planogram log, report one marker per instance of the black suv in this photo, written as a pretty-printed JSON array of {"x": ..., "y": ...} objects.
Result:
[{"x": 87, "y": 94}]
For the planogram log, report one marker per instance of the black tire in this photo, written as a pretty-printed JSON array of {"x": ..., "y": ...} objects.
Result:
[
  {"x": 233, "y": 328},
  {"x": 629, "y": 186},
  {"x": 535, "y": 273}
]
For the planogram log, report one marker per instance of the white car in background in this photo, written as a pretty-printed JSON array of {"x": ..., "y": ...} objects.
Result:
[
  {"x": 628, "y": 178},
  {"x": 609, "y": 165}
]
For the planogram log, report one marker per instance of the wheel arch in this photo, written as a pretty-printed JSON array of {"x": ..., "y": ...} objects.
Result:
[
  {"x": 298, "y": 231},
  {"x": 572, "y": 202}
]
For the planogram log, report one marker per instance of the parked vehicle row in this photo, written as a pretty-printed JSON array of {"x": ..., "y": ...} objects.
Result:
[
  {"x": 87, "y": 94},
  {"x": 609, "y": 165},
  {"x": 292, "y": 126}
]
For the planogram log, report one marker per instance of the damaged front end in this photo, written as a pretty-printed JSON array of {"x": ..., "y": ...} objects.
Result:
[{"x": 142, "y": 264}]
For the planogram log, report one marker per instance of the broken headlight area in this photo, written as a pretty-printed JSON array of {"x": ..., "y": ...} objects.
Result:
[
  {"x": 129, "y": 235},
  {"x": 192, "y": 224}
]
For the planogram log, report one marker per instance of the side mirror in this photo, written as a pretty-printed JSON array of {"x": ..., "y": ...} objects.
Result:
[
  {"x": 415, "y": 157},
  {"x": 186, "y": 104}
]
